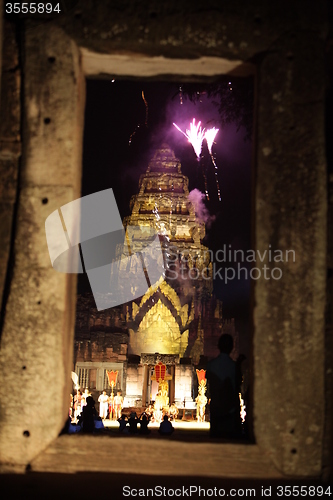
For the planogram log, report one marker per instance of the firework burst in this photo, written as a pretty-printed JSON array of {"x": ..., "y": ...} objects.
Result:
[
  {"x": 210, "y": 135},
  {"x": 196, "y": 135}
]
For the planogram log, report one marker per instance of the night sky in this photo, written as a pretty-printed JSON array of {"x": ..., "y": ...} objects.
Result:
[{"x": 113, "y": 112}]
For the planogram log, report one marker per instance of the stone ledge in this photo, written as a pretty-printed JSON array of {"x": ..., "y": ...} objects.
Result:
[{"x": 72, "y": 454}]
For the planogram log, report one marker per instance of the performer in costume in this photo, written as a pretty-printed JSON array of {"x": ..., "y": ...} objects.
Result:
[
  {"x": 111, "y": 402},
  {"x": 103, "y": 405},
  {"x": 173, "y": 412},
  {"x": 71, "y": 407},
  {"x": 201, "y": 401},
  {"x": 118, "y": 405},
  {"x": 158, "y": 405},
  {"x": 84, "y": 397},
  {"x": 77, "y": 404}
]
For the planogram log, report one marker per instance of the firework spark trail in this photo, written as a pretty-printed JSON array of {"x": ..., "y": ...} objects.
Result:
[
  {"x": 210, "y": 135},
  {"x": 195, "y": 136},
  {"x": 206, "y": 186},
  {"x": 138, "y": 125},
  {"x": 217, "y": 182},
  {"x": 180, "y": 95},
  {"x": 160, "y": 225},
  {"x": 216, "y": 177},
  {"x": 146, "y": 104},
  {"x": 133, "y": 134},
  {"x": 180, "y": 130}
]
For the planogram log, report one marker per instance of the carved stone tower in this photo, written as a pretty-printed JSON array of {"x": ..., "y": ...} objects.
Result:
[{"x": 161, "y": 320}]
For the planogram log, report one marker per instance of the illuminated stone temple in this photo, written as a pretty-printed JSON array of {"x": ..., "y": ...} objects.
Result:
[{"x": 177, "y": 321}]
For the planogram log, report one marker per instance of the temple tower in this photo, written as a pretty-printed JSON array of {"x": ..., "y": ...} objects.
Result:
[{"x": 160, "y": 321}]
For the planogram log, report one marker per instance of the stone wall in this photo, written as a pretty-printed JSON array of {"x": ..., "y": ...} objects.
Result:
[
  {"x": 10, "y": 147},
  {"x": 184, "y": 382},
  {"x": 102, "y": 347},
  {"x": 38, "y": 312},
  {"x": 134, "y": 385}
]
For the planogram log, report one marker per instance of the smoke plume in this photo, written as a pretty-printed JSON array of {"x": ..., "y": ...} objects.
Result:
[{"x": 201, "y": 211}]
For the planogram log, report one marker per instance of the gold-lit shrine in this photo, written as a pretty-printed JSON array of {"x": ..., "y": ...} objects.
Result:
[
  {"x": 177, "y": 321},
  {"x": 161, "y": 320}
]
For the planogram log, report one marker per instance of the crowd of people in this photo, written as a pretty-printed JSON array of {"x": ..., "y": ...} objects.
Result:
[
  {"x": 130, "y": 425},
  {"x": 224, "y": 380},
  {"x": 85, "y": 418},
  {"x": 90, "y": 422}
]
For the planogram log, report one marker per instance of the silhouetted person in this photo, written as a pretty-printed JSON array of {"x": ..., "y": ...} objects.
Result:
[
  {"x": 70, "y": 427},
  {"x": 223, "y": 378},
  {"x": 133, "y": 423},
  {"x": 88, "y": 415},
  {"x": 123, "y": 427},
  {"x": 166, "y": 427},
  {"x": 144, "y": 421}
]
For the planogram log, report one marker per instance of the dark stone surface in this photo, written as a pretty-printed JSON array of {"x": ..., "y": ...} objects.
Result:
[
  {"x": 236, "y": 30},
  {"x": 10, "y": 144}
]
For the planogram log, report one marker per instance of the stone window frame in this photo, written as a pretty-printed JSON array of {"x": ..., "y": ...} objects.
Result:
[{"x": 288, "y": 430}]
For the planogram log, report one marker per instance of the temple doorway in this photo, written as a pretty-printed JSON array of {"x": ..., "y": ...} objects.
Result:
[{"x": 150, "y": 382}]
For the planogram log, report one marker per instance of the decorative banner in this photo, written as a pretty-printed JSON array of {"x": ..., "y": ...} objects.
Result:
[
  {"x": 201, "y": 374},
  {"x": 112, "y": 376},
  {"x": 160, "y": 370}
]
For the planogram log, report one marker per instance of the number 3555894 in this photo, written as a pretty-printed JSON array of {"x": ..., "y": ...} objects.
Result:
[{"x": 31, "y": 8}]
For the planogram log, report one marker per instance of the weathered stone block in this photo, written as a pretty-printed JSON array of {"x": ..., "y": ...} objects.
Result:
[
  {"x": 40, "y": 309},
  {"x": 37, "y": 203},
  {"x": 8, "y": 174},
  {"x": 10, "y": 123},
  {"x": 54, "y": 107},
  {"x": 6, "y": 221},
  {"x": 291, "y": 214}
]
